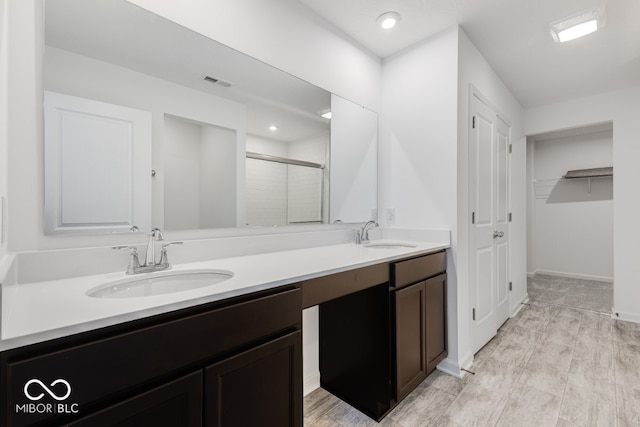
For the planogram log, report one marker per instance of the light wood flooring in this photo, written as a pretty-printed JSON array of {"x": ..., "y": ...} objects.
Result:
[{"x": 562, "y": 361}]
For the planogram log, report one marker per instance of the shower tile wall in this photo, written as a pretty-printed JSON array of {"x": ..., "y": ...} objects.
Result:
[
  {"x": 266, "y": 193},
  {"x": 279, "y": 194}
]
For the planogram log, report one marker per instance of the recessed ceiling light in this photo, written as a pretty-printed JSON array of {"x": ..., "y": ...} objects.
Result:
[
  {"x": 578, "y": 25},
  {"x": 326, "y": 115},
  {"x": 388, "y": 20},
  {"x": 273, "y": 128}
]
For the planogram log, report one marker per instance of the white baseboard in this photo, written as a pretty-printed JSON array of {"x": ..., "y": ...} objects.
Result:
[
  {"x": 575, "y": 276},
  {"x": 451, "y": 367},
  {"x": 310, "y": 383},
  {"x": 627, "y": 317},
  {"x": 454, "y": 368},
  {"x": 519, "y": 305}
]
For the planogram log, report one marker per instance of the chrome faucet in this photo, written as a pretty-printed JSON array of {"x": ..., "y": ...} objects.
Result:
[
  {"x": 150, "y": 263},
  {"x": 362, "y": 235},
  {"x": 154, "y": 235}
]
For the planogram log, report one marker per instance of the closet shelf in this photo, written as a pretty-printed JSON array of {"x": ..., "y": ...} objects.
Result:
[{"x": 589, "y": 173}]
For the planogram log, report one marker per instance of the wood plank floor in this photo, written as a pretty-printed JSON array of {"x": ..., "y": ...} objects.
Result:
[{"x": 562, "y": 361}]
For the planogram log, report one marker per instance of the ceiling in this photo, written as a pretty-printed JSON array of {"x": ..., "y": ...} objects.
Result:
[
  {"x": 149, "y": 44},
  {"x": 513, "y": 36}
]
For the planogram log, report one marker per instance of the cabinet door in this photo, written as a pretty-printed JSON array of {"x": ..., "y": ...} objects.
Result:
[
  {"x": 260, "y": 387},
  {"x": 436, "y": 318},
  {"x": 410, "y": 307},
  {"x": 176, "y": 404}
]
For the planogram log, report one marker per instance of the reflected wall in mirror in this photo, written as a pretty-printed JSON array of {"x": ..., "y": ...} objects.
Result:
[
  {"x": 209, "y": 106},
  {"x": 200, "y": 175},
  {"x": 354, "y": 169}
]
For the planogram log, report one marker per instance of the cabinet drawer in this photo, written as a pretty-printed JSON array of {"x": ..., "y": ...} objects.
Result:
[
  {"x": 413, "y": 270},
  {"x": 322, "y": 289},
  {"x": 124, "y": 363}
]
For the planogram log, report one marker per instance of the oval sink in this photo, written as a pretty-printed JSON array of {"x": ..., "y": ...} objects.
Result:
[
  {"x": 151, "y": 284},
  {"x": 382, "y": 245}
]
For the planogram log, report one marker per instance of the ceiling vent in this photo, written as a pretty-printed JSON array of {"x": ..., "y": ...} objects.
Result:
[{"x": 217, "y": 81}]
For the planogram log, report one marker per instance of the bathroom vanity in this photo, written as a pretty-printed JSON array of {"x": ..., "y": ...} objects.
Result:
[
  {"x": 378, "y": 344},
  {"x": 237, "y": 360}
]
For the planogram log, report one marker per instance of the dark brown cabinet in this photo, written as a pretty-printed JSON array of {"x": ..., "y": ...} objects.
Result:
[
  {"x": 420, "y": 332},
  {"x": 239, "y": 357},
  {"x": 380, "y": 343},
  {"x": 411, "y": 342},
  {"x": 436, "y": 320},
  {"x": 419, "y": 314},
  {"x": 259, "y": 387}
]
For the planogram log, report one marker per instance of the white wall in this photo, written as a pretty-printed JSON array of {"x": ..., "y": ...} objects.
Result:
[
  {"x": 474, "y": 70},
  {"x": 287, "y": 35},
  {"x": 182, "y": 146},
  {"x": 200, "y": 174},
  {"x": 418, "y": 153},
  {"x": 313, "y": 149},
  {"x": 218, "y": 174},
  {"x": 531, "y": 258},
  {"x": 4, "y": 105},
  {"x": 424, "y": 161},
  {"x": 573, "y": 224},
  {"x": 623, "y": 108},
  {"x": 353, "y": 172}
]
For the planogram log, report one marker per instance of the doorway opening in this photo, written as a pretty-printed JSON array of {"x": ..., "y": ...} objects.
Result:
[{"x": 570, "y": 217}]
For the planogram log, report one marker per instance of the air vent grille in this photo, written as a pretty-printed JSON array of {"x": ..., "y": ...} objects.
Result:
[{"x": 217, "y": 81}]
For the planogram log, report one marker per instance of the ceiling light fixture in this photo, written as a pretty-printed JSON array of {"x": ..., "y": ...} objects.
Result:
[
  {"x": 326, "y": 115},
  {"x": 578, "y": 25},
  {"x": 388, "y": 20},
  {"x": 273, "y": 128}
]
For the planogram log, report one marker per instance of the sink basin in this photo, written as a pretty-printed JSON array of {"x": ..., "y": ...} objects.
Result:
[
  {"x": 167, "y": 282},
  {"x": 385, "y": 245}
]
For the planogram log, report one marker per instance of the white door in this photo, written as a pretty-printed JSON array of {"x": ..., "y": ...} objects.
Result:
[
  {"x": 489, "y": 230},
  {"x": 97, "y": 166}
]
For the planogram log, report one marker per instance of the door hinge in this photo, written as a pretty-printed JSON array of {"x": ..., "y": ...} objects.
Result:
[
  {"x": 473, "y": 314},
  {"x": 510, "y": 148},
  {"x": 473, "y": 122},
  {"x": 510, "y": 217},
  {"x": 510, "y": 286},
  {"x": 473, "y": 217}
]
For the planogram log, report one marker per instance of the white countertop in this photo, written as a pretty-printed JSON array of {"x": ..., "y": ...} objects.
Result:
[{"x": 40, "y": 311}]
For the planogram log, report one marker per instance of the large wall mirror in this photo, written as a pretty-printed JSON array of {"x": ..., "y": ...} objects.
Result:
[{"x": 150, "y": 124}]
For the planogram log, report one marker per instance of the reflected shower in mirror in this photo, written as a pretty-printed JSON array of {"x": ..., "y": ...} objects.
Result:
[{"x": 209, "y": 105}]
